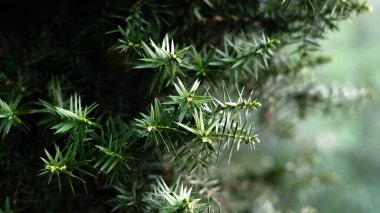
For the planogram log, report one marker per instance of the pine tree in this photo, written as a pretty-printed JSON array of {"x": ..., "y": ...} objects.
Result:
[{"x": 128, "y": 105}]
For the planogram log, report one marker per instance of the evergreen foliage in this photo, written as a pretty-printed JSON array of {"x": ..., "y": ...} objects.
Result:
[{"x": 104, "y": 104}]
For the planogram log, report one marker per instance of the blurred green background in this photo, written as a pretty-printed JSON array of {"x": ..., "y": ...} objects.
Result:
[{"x": 348, "y": 143}]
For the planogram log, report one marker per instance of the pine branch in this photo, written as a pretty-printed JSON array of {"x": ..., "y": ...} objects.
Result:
[
  {"x": 71, "y": 119},
  {"x": 166, "y": 59},
  {"x": 64, "y": 165},
  {"x": 177, "y": 199},
  {"x": 9, "y": 116},
  {"x": 114, "y": 158}
]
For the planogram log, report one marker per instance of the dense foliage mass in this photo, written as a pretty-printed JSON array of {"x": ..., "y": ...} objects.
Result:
[{"x": 125, "y": 105}]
